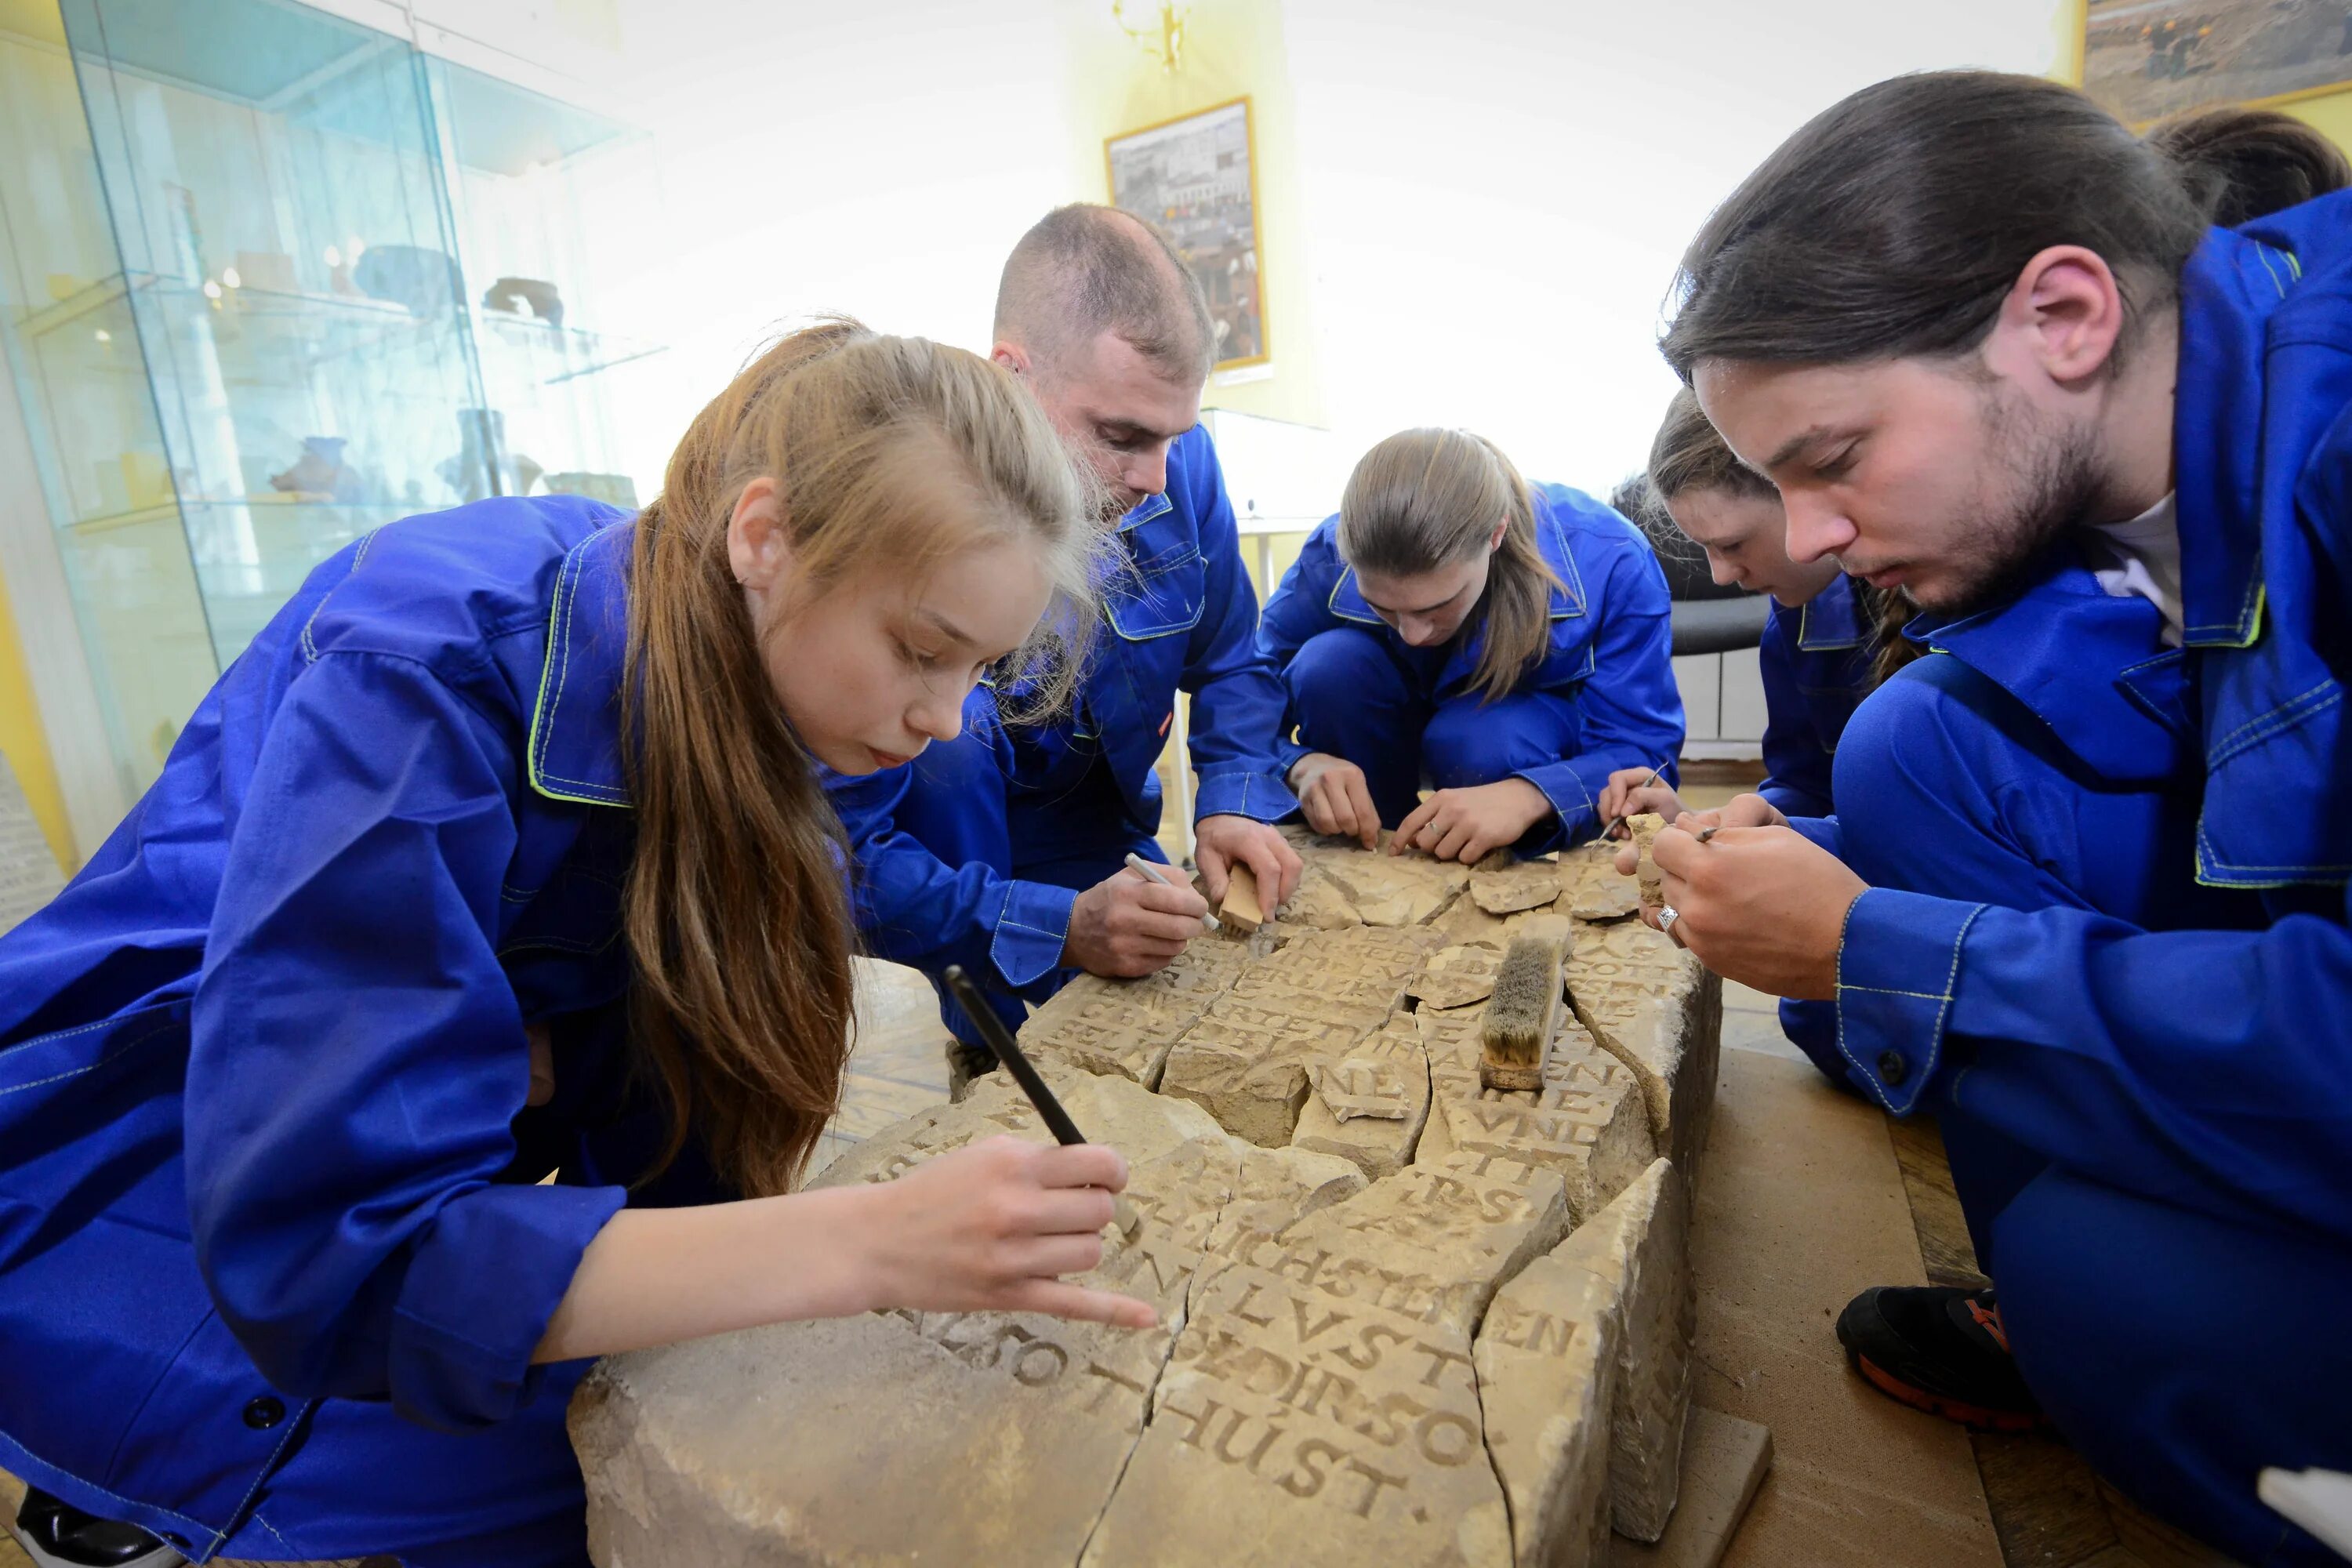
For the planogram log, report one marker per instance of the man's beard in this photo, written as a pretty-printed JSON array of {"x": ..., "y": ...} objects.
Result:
[{"x": 2056, "y": 483}]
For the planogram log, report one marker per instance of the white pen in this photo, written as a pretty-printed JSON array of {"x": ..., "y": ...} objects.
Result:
[{"x": 1137, "y": 863}]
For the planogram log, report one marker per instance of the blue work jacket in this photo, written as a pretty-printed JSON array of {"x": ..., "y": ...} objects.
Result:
[
  {"x": 1815, "y": 661},
  {"x": 1178, "y": 613},
  {"x": 263, "y": 1067},
  {"x": 1611, "y": 653},
  {"x": 2190, "y": 1064}
]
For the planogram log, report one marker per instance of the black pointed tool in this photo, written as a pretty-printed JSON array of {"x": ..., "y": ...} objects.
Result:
[{"x": 1016, "y": 1062}]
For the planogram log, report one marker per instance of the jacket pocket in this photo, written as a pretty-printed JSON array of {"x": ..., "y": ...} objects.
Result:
[{"x": 1160, "y": 596}]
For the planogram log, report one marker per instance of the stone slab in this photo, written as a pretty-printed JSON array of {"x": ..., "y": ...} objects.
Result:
[
  {"x": 1547, "y": 1368},
  {"x": 1591, "y": 886},
  {"x": 1379, "y": 1146},
  {"x": 1512, "y": 884},
  {"x": 1641, "y": 1244},
  {"x": 1586, "y": 1124},
  {"x": 1658, "y": 1009},
  {"x": 1456, "y": 977}
]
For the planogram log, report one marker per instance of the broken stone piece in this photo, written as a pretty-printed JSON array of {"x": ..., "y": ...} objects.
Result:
[
  {"x": 1641, "y": 1244},
  {"x": 1251, "y": 1094},
  {"x": 1379, "y": 1145},
  {"x": 1359, "y": 1086},
  {"x": 1653, "y": 1006},
  {"x": 1548, "y": 1362},
  {"x": 1240, "y": 911},
  {"x": 1590, "y": 887},
  {"x": 1586, "y": 1124},
  {"x": 1514, "y": 884},
  {"x": 1456, "y": 977}
]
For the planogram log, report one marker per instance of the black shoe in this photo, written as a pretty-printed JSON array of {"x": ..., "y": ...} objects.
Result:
[
  {"x": 1941, "y": 1350},
  {"x": 56, "y": 1535}
]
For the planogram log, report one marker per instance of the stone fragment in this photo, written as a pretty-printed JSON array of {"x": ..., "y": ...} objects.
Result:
[
  {"x": 1241, "y": 911},
  {"x": 1293, "y": 1427},
  {"x": 1254, "y": 1090},
  {"x": 1588, "y": 1123},
  {"x": 1591, "y": 886},
  {"x": 1513, "y": 884},
  {"x": 1379, "y": 1145},
  {"x": 1641, "y": 1244},
  {"x": 1123, "y": 1027},
  {"x": 1357, "y": 1086},
  {"x": 1433, "y": 1242},
  {"x": 1456, "y": 977},
  {"x": 792, "y": 1443},
  {"x": 1646, "y": 827},
  {"x": 1658, "y": 1009},
  {"x": 1548, "y": 1364}
]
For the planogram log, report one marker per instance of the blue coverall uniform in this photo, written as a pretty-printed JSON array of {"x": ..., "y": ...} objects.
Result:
[
  {"x": 1816, "y": 664},
  {"x": 1602, "y": 696},
  {"x": 273, "y": 1261},
  {"x": 2106, "y": 940},
  {"x": 974, "y": 853}
]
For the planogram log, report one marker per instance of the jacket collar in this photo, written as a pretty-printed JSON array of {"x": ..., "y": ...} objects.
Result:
[
  {"x": 1829, "y": 621},
  {"x": 2092, "y": 667},
  {"x": 2238, "y": 448},
  {"x": 1144, "y": 511},
  {"x": 575, "y": 725}
]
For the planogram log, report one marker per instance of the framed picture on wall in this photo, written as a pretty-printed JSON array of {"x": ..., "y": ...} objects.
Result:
[
  {"x": 2144, "y": 59},
  {"x": 1196, "y": 177}
]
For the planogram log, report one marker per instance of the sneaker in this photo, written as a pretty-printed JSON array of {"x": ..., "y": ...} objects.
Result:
[
  {"x": 1942, "y": 1350},
  {"x": 56, "y": 1535}
]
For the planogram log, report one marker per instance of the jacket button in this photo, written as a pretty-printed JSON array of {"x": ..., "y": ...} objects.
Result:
[
  {"x": 1893, "y": 1067},
  {"x": 264, "y": 1413}
]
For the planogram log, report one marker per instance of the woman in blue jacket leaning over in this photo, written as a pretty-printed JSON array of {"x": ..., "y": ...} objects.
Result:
[
  {"x": 1506, "y": 642},
  {"x": 499, "y": 854}
]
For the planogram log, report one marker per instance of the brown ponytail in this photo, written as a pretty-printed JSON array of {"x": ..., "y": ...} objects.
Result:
[
  {"x": 736, "y": 910},
  {"x": 2240, "y": 164},
  {"x": 1426, "y": 498}
]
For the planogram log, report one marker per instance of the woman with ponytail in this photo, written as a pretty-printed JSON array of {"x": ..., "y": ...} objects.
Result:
[
  {"x": 2085, "y": 897},
  {"x": 1506, "y": 643},
  {"x": 501, "y": 856}
]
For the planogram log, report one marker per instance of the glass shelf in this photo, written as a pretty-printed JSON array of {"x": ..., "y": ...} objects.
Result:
[{"x": 269, "y": 280}]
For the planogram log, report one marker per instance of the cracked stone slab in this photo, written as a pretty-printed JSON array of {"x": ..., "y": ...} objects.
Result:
[
  {"x": 1588, "y": 1124},
  {"x": 1658, "y": 1009},
  {"x": 1641, "y": 1244},
  {"x": 784, "y": 1444},
  {"x": 1548, "y": 1362},
  {"x": 1297, "y": 1428},
  {"x": 1457, "y": 976},
  {"x": 1514, "y": 885},
  {"x": 1379, "y": 1145},
  {"x": 1123, "y": 1027},
  {"x": 1590, "y": 887}
]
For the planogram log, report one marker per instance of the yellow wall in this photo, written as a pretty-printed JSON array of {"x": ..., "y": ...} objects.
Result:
[
  {"x": 1232, "y": 48},
  {"x": 23, "y": 743},
  {"x": 2331, "y": 113}
]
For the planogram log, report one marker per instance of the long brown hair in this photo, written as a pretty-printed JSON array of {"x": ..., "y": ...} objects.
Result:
[
  {"x": 1426, "y": 498},
  {"x": 1895, "y": 222},
  {"x": 1690, "y": 454},
  {"x": 737, "y": 908},
  {"x": 2245, "y": 163}
]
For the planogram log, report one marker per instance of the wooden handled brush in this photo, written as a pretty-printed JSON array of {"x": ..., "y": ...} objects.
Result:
[{"x": 1521, "y": 1015}]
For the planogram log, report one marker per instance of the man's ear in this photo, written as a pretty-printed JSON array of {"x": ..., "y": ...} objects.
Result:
[
  {"x": 1013, "y": 357},
  {"x": 2065, "y": 315},
  {"x": 759, "y": 544}
]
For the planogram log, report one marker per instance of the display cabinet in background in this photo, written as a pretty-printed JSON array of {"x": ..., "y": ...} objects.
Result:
[{"x": 272, "y": 280}]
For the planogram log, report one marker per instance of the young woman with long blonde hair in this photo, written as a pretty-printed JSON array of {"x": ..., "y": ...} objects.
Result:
[{"x": 501, "y": 853}]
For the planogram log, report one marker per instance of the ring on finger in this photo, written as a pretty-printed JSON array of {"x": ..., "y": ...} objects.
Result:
[{"x": 1667, "y": 916}]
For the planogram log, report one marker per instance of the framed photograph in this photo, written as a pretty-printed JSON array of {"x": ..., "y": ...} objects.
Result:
[
  {"x": 1196, "y": 177},
  {"x": 2144, "y": 59}
]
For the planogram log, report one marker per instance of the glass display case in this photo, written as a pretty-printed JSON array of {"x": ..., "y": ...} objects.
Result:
[{"x": 272, "y": 280}]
